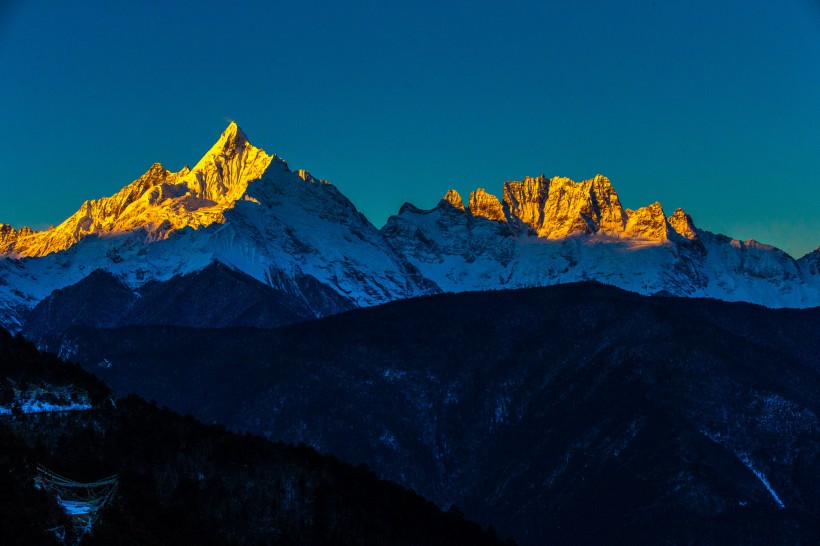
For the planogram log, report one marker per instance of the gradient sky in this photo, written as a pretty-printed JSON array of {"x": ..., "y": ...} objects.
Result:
[{"x": 710, "y": 106}]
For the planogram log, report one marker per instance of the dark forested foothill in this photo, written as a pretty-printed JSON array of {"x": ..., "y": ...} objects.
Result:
[
  {"x": 563, "y": 415},
  {"x": 182, "y": 482}
]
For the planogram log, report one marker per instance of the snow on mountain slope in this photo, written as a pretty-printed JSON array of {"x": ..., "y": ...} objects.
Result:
[
  {"x": 238, "y": 206},
  {"x": 159, "y": 202},
  {"x": 810, "y": 263},
  {"x": 246, "y": 209},
  {"x": 292, "y": 225},
  {"x": 550, "y": 231}
]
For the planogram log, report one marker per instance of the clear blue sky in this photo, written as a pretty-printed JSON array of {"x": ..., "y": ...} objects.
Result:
[{"x": 712, "y": 106}]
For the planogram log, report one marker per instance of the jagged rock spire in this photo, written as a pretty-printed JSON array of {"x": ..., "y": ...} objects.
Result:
[
  {"x": 486, "y": 205},
  {"x": 682, "y": 224},
  {"x": 647, "y": 223},
  {"x": 452, "y": 199}
]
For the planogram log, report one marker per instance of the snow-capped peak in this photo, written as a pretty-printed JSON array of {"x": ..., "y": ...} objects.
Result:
[
  {"x": 233, "y": 132},
  {"x": 160, "y": 201},
  {"x": 222, "y": 175},
  {"x": 230, "y": 143},
  {"x": 238, "y": 206}
]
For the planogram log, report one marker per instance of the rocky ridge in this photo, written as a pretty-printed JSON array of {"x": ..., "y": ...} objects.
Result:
[{"x": 552, "y": 231}]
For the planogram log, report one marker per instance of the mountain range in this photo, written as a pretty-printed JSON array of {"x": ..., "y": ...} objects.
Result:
[
  {"x": 556, "y": 365},
  {"x": 304, "y": 251}
]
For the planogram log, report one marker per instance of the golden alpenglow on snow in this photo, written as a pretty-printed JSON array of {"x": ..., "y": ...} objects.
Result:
[{"x": 160, "y": 201}]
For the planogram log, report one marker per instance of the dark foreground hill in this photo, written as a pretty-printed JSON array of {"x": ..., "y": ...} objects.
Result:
[
  {"x": 567, "y": 414},
  {"x": 181, "y": 482}
]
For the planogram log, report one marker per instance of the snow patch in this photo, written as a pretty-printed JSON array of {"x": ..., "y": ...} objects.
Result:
[
  {"x": 744, "y": 458},
  {"x": 76, "y": 508},
  {"x": 38, "y": 406}
]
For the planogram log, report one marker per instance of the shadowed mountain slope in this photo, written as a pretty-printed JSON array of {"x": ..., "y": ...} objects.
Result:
[
  {"x": 215, "y": 296},
  {"x": 181, "y": 482},
  {"x": 565, "y": 414}
]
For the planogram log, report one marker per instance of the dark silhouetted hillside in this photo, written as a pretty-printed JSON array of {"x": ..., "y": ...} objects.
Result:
[
  {"x": 568, "y": 414},
  {"x": 181, "y": 482}
]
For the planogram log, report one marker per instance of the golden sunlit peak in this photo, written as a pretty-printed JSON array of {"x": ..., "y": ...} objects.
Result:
[
  {"x": 453, "y": 198},
  {"x": 682, "y": 224},
  {"x": 233, "y": 132},
  {"x": 486, "y": 205},
  {"x": 159, "y": 201},
  {"x": 602, "y": 180}
]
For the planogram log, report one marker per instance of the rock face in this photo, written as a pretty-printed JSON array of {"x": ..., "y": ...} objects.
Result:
[
  {"x": 9, "y": 235},
  {"x": 682, "y": 224},
  {"x": 453, "y": 199},
  {"x": 486, "y": 205},
  {"x": 559, "y": 207},
  {"x": 299, "y": 235},
  {"x": 647, "y": 223},
  {"x": 525, "y": 201}
]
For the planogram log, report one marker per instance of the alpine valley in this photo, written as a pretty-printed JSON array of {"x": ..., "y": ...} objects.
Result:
[{"x": 549, "y": 364}]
